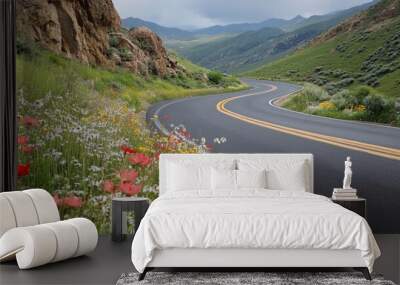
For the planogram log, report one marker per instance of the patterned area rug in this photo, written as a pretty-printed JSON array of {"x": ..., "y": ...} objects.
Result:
[{"x": 236, "y": 278}]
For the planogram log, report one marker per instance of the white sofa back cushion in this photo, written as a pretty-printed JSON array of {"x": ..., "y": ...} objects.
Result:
[
  {"x": 230, "y": 161},
  {"x": 290, "y": 174}
]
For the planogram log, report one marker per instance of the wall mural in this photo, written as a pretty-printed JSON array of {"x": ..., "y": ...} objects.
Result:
[{"x": 98, "y": 101}]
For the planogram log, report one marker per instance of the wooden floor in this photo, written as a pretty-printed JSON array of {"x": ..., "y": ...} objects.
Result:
[{"x": 110, "y": 260}]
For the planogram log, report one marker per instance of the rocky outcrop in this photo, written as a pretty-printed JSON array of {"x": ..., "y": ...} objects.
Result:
[
  {"x": 76, "y": 28},
  {"x": 142, "y": 51},
  {"x": 90, "y": 31}
]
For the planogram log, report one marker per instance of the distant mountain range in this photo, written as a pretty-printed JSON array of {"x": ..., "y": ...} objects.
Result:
[
  {"x": 362, "y": 50},
  {"x": 247, "y": 27},
  {"x": 169, "y": 33},
  {"x": 164, "y": 32},
  {"x": 252, "y": 49}
]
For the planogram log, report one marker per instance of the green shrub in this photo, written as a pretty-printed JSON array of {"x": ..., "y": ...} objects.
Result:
[
  {"x": 144, "y": 45},
  {"x": 314, "y": 93},
  {"x": 360, "y": 94},
  {"x": 348, "y": 100},
  {"x": 112, "y": 50},
  {"x": 331, "y": 88},
  {"x": 26, "y": 48},
  {"x": 345, "y": 82},
  {"x": 230, "y": 81},
  {"x": 343, "y": 100},
  {"x": 113, "y": 41},
  {"x": 125, "y": 54},
  {"x": 296, "y": 103},
  {"x": 379, "y": 109},
  {"x": 215, "y": 77},
  {"x": 318, "y": 68}
]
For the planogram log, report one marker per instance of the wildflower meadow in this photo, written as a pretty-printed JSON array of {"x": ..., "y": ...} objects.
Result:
[{"x": 85, "y": 147}]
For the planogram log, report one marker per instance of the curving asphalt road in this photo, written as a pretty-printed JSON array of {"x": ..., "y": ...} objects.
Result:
[{"x": 252, "y": 124}]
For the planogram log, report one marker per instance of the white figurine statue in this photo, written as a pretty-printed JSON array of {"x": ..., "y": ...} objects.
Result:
[{"x": 348, "y": 173}]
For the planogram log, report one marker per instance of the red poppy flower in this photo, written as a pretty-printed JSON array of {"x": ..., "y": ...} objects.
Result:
[
  {"x": 130, "y": 189},
  {"x": 59, "y": 201},
  {"x": 128, "y": 175},
  {"x": 108, "y": 186},
  {"x": 23, "y": 169},
  {"x": 134, "y": 159},
  {"x": 139, "y": 158},
  {"x": 26, "y": 149},
  {"x": 127, "y": 150},
  {"x": 30, "y": 121},
  {"x": 146, "y": 161},
  {"x": 23, "y": 140},
  {"x": 73, "y": 202}
]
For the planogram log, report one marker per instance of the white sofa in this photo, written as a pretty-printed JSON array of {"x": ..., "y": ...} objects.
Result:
[{"x": 31, "y": 231}]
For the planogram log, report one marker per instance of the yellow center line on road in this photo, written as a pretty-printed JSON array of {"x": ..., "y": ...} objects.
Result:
[{"x": 377, "y": 150}]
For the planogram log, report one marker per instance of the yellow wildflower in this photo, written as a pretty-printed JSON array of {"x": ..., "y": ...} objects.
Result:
[{"x": 327, "y": 105}]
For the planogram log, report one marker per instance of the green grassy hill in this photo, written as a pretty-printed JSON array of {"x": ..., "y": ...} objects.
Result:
[
  {"x": 180, "y": 46},
  {"x": 232, "y": 54},
  {"x": 346, "y": 54},
  {"x": 363, "y": 51},
  {"x": 40, "y": 71}
]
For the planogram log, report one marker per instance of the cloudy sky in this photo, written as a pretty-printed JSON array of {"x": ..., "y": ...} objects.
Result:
[{"x": 203, "y": 13}]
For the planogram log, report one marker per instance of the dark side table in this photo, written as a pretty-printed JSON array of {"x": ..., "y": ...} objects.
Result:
[
  {"x": 358, "y": 206},
  {"x": 120, "y": 207}
]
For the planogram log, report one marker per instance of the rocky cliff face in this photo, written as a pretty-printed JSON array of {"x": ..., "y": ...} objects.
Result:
[
  {"x": 76, "y": 28},
  {"x": 89, "y": 30}
]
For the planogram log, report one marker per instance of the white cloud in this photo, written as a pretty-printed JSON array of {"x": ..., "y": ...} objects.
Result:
[{"x": 202, "y": 13}]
